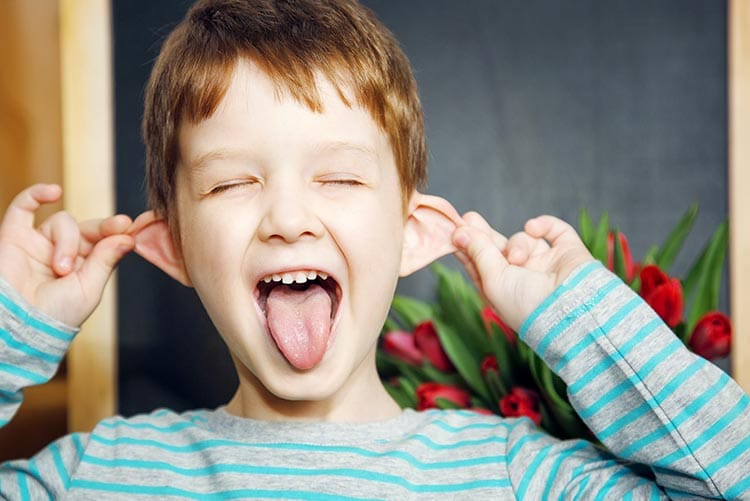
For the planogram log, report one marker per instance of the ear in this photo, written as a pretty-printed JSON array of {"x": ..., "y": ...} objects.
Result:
[
  {"x": 428, "y": 231},
  {"x": 153, "y": 242}
]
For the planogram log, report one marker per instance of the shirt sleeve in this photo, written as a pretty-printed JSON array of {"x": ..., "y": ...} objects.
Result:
[
  {"x": 31, "y": 348},
  {"x": 650, "y": 400}
]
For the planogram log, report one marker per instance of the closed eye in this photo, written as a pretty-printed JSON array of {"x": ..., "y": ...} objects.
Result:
[{"x": 231, "y": 185}]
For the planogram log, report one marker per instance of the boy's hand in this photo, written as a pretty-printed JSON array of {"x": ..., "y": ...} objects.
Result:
[
  {"x": 517, "y": 274},
  {"x": 62, "y": 266}
]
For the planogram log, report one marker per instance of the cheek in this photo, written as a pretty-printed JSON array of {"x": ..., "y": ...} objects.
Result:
[{"x": 212, "y": 247}]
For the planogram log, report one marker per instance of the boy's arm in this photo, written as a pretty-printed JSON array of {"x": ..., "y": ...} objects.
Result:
[
  {"x": 51, "y": 277},
  {"x": 646, "y": 397},
  {"x": 644, "y": 394},
  {"x": 31, "y": 347}
]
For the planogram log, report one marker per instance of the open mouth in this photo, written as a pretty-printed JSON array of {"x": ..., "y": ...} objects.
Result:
[{"x": 300, "y": 308}]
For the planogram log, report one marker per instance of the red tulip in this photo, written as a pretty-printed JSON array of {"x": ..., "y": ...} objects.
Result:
[
  {"x": 401, "y": 345},
  {"x": 662, "y": 293},
  {"x": 712, "y": 336},
  {"x": 489, "y": 363},
  {"x": 490, "y": 317},
  {"x": 428, "y": 393},
  {"x": 428, "y": 342},
  {"x": 631, "y": 267},
  {"x": 521, "y": 402}
]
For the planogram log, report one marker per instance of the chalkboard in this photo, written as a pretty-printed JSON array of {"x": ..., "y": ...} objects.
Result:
[{"x": 532, "y": 106}]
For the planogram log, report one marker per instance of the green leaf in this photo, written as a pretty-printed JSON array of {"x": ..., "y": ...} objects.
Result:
[
  {"x": 692, "y": 277},
  {"x": 410, "y": 311},
  {"x": 390, "y": 325},
  {"x": 496, "y": 386},
  {"x": 672, "y": 245},
  {"x": 599, "y": 245},
  {"x": 401, "y": 396},
  {"x": 463, "y": 359},
  {"x": 619, "y": 257},
  {"x": 585, "y": 228},
  {"x": 460, "y": 307},
  {"x": 505, "y": 352},
  {"x": 709, "y": 278},
  {"x": 444, "y": 403}
]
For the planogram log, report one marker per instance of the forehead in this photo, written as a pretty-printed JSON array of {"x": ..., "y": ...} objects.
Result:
[{"x": 256, "y": 116}]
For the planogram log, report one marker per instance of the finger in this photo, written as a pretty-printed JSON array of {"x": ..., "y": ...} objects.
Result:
[
  {"x": 521, "y": 246},
  {"x": 98, "y": 266},
  {"x": 553, "y": 230},
  {"x": 21, "y": 210},
  {"x": 477, "y": 221},
  {"x": 94, "y": 230},
  {"x": 482, "y": 251},
  {"x": 62, "y": 230}
]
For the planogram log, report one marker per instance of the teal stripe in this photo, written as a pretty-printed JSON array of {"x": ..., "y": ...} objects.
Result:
[
  {"x": 23, "y": 486},
  {"x": 173, "y": 428},
  {"x": 33, "y": 322},
  {"x": 521, "y": 442},
  {"x": 76, "y": 437},
  {"x": 207, "y": 444},
  {"x": 28, "y": 350},
  {"x": 743, "y": 486},
  {"x": 571, "y": 317},
  {"x": 424, "y": 439},
  {"x": 582, "y": 488},
  {"x": 629, "y": 383},
  {"x": 22, "y": 373},
  {"x": 532, "y": 471},
  {"x": 715, "y": 430},
  {"x": 564, "y": 456},
  {"x": 9, "y": 397},
  {"x": 651, "y": 402},
  {"x": 730, "y": 457},
  {"x": 350, "y": 473},
  {"x": 710, "y": 433},
  {"x": 611, "y": 482},
  {"x": 471, "y": 426},
  {"x": 687, "y": 412},
  {"x": 34, "y": 469},
  {"x": 605, "y": 364},
  {"x": 606, "y": 399},
  {"x": 559, "y": 291},
  {"x": 62, "y": 472},
  {"x": 161, "y": 491},
  {"x": 655, "y": 493}
]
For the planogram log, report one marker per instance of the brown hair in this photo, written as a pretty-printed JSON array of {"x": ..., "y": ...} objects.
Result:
[{"x": 290, "y": 40}]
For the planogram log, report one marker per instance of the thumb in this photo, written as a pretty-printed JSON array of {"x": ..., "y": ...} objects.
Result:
[{"x": 98, "y": 266}]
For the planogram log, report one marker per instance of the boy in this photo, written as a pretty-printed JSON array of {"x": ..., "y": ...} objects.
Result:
[{"x": 285, "y": 146}]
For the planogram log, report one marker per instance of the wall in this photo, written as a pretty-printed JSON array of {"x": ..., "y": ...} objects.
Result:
[{"x": 531, "y": 106}]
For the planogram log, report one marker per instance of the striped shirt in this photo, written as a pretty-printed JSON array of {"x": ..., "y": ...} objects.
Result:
[{"x": 675, "y": 425}]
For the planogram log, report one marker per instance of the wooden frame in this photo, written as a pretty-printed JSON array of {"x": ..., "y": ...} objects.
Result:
[
  {"x": 739, "y": 185},
  {"x": 88, "y": 182}
]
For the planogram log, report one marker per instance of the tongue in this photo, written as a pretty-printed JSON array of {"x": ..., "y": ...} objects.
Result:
[{"x": 300, "y": 323}]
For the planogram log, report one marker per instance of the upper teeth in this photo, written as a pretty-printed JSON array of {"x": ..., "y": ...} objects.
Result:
[{"x": 299, "y": 277}]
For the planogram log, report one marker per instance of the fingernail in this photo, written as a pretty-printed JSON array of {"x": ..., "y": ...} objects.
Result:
[
  {"x": 65, "y": 263},
  {"x": 461, "y": 238}
]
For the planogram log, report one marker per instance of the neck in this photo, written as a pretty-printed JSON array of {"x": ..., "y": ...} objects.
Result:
[{"x": 362, "y": 398}]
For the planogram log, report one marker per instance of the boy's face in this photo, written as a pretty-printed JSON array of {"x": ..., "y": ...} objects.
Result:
[{"x": 268, "y": 187}]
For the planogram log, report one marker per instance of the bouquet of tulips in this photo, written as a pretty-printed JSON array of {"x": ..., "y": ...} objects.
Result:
[{"x": 457, "y": 353}]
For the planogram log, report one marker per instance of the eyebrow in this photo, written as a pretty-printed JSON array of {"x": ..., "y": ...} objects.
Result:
[
  {"x": 328, "y": 147},
  {"x": 337, "y": 146},
  {"x": 203, "y": 159}
]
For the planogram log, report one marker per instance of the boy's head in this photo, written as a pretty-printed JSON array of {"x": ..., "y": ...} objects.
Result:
[
  {"x": 285, "y": 142},
  {"x": 292, "y": 42}
]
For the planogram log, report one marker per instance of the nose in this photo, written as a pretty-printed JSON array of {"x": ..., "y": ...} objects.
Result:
[{"x": 288, "y": 215}]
